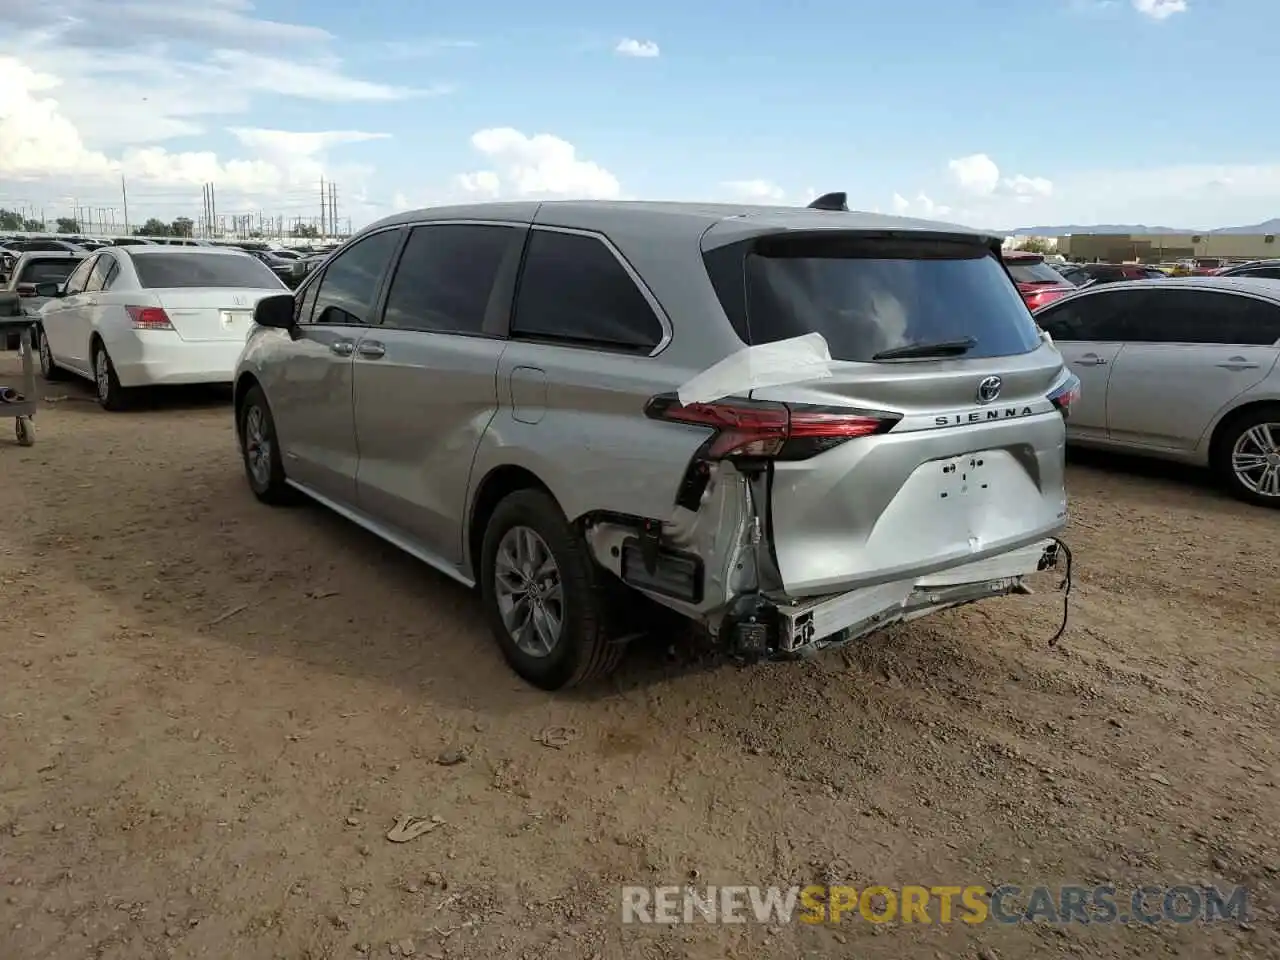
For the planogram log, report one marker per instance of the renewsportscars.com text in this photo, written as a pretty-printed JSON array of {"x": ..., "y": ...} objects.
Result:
[{"x": 941, "y": 904}]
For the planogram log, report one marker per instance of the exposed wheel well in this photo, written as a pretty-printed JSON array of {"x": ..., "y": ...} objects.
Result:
[
  {"x": 500, "y": 482},
  {"x": 1235, "y": 416}
]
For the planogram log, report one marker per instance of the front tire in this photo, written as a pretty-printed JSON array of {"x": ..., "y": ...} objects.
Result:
[
  {"x": 543, "y": 595},
  {"x": 260, "y": 450},
  {"x": 49, "y": 369},
  {"x": 1248, "y": 456},
  {"x": 111, "y": 396}
]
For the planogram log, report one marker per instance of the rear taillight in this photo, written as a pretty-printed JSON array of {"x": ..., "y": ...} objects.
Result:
[
  {"x": 1066, "y": 395},
  {"x": 1040, "y": 298},
  {"x": 26, "y": 289},
  {"x": 777, "y": 431},
  {"x": 149, "y": 318}
]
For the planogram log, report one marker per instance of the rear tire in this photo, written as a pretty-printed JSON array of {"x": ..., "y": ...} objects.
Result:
[
  {"x": 260, "y": 450},
  {"x": 1247, "y": 456},
  {"x": 111, "y": 396},
  {"x": 49, "y": 369},
  {"x": 583, "y": 650}
]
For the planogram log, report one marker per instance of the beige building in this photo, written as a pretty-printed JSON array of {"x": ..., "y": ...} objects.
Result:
[{"x": 1159, "y": 248}]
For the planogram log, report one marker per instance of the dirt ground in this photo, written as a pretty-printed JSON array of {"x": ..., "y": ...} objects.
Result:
[{"x": 211, "y": 713}]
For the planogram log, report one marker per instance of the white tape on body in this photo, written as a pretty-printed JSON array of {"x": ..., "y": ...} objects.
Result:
[{"x": 764, "y": 365}]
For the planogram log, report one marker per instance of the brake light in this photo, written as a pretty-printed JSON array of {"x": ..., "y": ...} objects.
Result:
[
  {"x": 1066, "y": 395},
  {"x": 26, "y": 289},
  {"x": 149, "y": 318},
  {"x": 778, "y": 431}
]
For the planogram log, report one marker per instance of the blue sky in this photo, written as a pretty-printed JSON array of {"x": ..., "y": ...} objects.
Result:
[{"x": 1001, "y": 113}]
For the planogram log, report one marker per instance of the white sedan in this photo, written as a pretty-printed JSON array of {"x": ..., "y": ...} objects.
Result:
[{"x": 137, "y": 316}]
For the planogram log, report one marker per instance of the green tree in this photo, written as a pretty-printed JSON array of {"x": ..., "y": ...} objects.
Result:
[
  {"x": 153, "y": 228},
  {"x": 307, "y": 230},
  {"x": 33, "y": 226},
  {"x": 10, "y": 220},
  {"x": 68, "y": 225},
  {"x": 1036, "y": 245},
  {"x": 181, "y": 227}
]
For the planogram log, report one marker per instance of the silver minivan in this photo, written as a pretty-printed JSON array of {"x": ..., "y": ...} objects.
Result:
[{"x": 792, "y": 426}]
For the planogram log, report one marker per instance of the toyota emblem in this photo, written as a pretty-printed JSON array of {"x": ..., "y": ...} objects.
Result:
[{"x": 989, "y": 389}]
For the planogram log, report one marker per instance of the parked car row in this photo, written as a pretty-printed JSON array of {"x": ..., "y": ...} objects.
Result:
[
  {"x": 1181, "y": 369},
  {"x": 136, "y": 316},
  {"x": 814, "y": 424}
]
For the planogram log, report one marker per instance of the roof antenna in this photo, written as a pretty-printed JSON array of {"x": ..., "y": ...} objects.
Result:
[{"x": 831, "y": 201}]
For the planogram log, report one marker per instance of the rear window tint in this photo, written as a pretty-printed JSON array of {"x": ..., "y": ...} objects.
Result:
[
  {"x": 1032, "y": 271},
  {"x": 868, "y": 295},
  {"x": 170, "y": 270},
  {"x": 47, "y": 271}
]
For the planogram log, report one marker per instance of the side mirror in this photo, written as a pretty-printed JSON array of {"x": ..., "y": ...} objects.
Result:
[
  {"x": 275, "y": 311},
  {"x": 49, "y": 288}
]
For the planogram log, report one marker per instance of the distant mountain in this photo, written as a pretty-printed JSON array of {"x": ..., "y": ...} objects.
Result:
[{"x": 1267, "y": 226}]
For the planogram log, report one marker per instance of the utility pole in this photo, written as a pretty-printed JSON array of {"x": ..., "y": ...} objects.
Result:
[
  {"x": 323, "y": 203},
  {"x": 213, "y": 204},
  {"x": 124, "y": 197},
  {"x": 333, "y": 208}
]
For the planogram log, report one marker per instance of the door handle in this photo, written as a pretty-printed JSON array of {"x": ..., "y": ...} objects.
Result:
[
  {"x": 1238, "y": 363},
  {"x": 1091, "y": 360},
  {"x": 342, "y": 348},
  {"x": 371, "y": 349}
]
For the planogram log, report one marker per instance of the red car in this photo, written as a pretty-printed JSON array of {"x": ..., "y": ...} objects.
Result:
[{"x": 1038, "y": 282}]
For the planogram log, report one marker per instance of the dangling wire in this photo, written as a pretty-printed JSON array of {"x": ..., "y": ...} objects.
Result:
[{"x": 1065, "y": 587}]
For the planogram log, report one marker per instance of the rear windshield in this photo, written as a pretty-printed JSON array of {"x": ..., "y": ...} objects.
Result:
[
  {"x": 1032, "y": 271},
  {"x": 868, "y": 295},
  {"x": 47, "y": 271},
  {"x": 169, "y": 270}
]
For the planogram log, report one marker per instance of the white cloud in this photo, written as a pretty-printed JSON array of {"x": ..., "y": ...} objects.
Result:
[
  {"x": 756, "y": 191},
  {"x": 636, "y": 48},
  {"x": 90, "y": 95},
  {"x": 44, "y": 153},
  {"x": 1160, "y": 9},
  {"x": 976, "y": 174},
  {"x": 922, "y": 206},
  {"x": 979, "y": 176},
  {"x": 538, "y": 166}
]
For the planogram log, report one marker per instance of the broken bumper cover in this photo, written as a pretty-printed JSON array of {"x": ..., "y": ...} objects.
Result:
[{"x": 839, "y": 618}]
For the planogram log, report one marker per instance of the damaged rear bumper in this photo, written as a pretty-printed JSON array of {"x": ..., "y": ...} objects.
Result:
[{"x": 823, "y": 621}]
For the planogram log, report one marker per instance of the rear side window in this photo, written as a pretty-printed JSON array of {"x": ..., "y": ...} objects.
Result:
[
  {"x": 1032, "y": 271},
  {"x": 1205, "y": 316},
  {"x": 98, "y": 277},
  {"x": 446, "y": 275},
  {"x": 574, "y": 290},
  {"x": 167, "y": 271},
  {"x": 1266, "y": 273},
  {"x": 868, "y": 295},
  {"x": 348, "y": 291}
]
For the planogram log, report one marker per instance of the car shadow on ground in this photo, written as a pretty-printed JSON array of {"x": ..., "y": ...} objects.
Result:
[
  {"x": 341, "y": 598},
  {"x": 1176, "y": 477}
]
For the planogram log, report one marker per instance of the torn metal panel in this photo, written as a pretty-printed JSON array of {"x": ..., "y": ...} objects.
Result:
[
  {"x": 725, "y": 532},
  {"x": 795, "y": 360}
]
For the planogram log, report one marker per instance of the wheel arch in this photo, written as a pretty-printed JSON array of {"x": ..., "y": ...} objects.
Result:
[
  {"x": 244, "y": 383},
  {"x": 499, "y": 483},
  {"x": 1222, "y": 429}
]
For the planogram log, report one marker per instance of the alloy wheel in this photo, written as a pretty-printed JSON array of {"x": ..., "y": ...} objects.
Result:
[
  {"x": 102, "y": 374},
  {"x": 529, "y": 591},
  {"x": 257, "y": 445},
  {"x": 1255, "y": 459}
]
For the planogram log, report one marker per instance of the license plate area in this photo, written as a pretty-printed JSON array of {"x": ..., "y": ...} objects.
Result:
[
  {"x": 967, "y": 476},
  {"x": 234, "y": 319}
]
